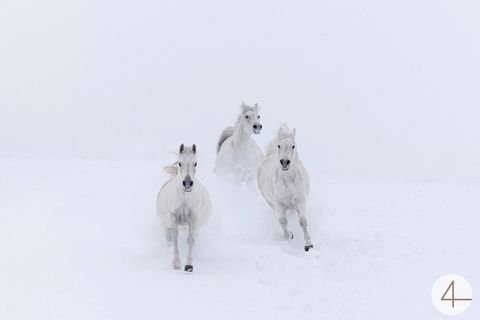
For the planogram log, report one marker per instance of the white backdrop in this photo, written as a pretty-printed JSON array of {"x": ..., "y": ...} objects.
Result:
[{"x": 377, "y": 88}]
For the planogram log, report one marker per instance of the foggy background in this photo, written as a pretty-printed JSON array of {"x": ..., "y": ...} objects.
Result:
[
  {"x": 377, "y": 88},
  {"x": 94, "y": 95}
]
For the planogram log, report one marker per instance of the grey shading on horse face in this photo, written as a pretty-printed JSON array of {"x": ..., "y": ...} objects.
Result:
[
  {"x": 187, "y": 163},
  {"x": 250, "y": 119},
  {"x": 286, "y": 149}
]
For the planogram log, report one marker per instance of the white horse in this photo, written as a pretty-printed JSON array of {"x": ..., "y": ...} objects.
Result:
[
  {"x": 284, "y": 182},
  {"x": 183, "y": 202},
  {"x": 238, "y": 155}
]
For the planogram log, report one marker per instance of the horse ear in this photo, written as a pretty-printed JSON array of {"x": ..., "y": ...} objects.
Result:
[
  {"x": 294, "y": 132},
  {"x": 182, "y": 148},
  {"x": 244, "y": 107},
  {"x": 194, "y": 148},
  {"x": 255, "y": 106}
]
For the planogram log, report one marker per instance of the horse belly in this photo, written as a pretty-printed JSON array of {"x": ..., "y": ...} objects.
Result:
[
  {"x": 162, "y": 206},
  {"x": 265, "y": 181}
]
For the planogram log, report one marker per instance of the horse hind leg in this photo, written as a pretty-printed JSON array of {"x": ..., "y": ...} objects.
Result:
[{"x": 168, "y": 237}]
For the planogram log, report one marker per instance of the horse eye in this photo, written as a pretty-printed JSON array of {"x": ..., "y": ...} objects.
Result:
[
  {"x": 293, "y": 147},
  {"x": 246, "y": 117},
  {"x": 258, "y": 117},
  {"x": 179, "y": 164},
  {"x": 195, "y": 164},
  {"x": 278, "y": 146}
]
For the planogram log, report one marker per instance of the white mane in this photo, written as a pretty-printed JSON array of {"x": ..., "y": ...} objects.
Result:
[
  {"x": 171, "y": 170},
  {"x": 283, "y": 132}
]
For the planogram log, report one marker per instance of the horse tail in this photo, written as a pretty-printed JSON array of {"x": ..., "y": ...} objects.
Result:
[
  {"x": 171, "y": 170},
  {"x": 226, "y": 133}
]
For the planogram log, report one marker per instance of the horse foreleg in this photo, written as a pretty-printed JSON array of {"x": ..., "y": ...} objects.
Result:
[
  {"x": 190, "y": 242},
  {"x": 176, "y": 253},
  {"x": 168, "y": 237},
  {"x": 283, "y": 222},
  {"x": 302, "y": 220}
]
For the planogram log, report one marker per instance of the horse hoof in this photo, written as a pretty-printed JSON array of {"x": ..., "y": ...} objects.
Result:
[
  {"x": 176, "y": 264},
  {"x": 188, "y": 268},
  {"x": 289, "y": 235},
  {"x": 308, "y": 247}
]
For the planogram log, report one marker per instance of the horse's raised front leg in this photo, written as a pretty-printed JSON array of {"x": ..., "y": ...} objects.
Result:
[
  {"x": 303, "y": 223},
  {"x": 190, "y": 242},
  {"x": 176, "y": 254},
  {"x": 283, "y": 222}
]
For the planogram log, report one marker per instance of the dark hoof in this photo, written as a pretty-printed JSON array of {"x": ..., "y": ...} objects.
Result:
[
  {"x": 308, "y": 247},
  {"x": 189, "y": 268}
]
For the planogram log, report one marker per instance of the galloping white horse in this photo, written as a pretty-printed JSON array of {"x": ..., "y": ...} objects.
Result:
[
  {"x": 238, "y": 155},
  {"x": 183, "y": 202},
  {"x": 284, "y": 182}
]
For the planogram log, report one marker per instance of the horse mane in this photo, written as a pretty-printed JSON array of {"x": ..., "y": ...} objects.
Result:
[
  {"x": 282, "y": 132},
  {"x": 226, "y": 133},
  {"x": 172, "y": 170}
]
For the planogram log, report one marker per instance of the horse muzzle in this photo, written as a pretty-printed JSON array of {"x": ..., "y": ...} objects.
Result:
[
  {"x": 257, "y": 128},
  {"x": 187, "y": 185},
  {"x": 285, "y": 164}
]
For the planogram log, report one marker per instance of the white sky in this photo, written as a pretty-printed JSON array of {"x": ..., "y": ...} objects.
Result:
[{"x": 375, "y": 88}]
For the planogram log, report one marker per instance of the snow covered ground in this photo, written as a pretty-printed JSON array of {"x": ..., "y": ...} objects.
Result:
[{"x": 79, "y": 239}]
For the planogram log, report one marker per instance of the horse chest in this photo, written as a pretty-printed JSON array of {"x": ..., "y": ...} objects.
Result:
[
  {"x": 242, "y": 160},
  {"x": 289, "y": 192},
  {"x": 183, "y": 209},
  {"x": 243, "y": 153}
]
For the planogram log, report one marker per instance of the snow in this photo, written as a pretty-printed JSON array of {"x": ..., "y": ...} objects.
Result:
[
  {"x": 94, "y": 95},
  {"x": 80, "y": 239}
]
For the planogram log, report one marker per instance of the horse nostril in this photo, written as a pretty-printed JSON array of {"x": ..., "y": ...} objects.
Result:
[
  {"x": 184, "y": 184},
  {"x": 288, "y": 162},
  {"x": 281, "y": 162},
  {"x": 191, "y": 183},
  {"x": 255, "y": 127},
  {"x": 261, "y": 126}
]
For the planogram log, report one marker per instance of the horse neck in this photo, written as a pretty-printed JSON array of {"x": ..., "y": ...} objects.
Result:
[{"x": 240, "y": 137}]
